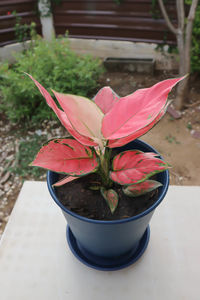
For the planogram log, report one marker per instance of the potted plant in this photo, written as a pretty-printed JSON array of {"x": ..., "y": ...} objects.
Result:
[{"x": 105, "y": 164}]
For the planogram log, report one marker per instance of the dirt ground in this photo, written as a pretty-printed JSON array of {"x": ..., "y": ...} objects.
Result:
[{"x": 177, "y": 140}]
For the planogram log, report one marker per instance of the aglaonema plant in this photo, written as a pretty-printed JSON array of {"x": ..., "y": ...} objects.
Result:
[{"x": 96, "y": 126}]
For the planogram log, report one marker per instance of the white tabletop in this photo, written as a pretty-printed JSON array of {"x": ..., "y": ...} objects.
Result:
[{"x": 36, "y": 263}]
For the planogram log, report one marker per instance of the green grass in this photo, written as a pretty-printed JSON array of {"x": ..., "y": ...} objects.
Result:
[{"x": 172, "y": 139}]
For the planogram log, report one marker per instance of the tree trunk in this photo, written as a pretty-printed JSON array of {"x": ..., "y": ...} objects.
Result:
[
  {"x": 184, "y": 37},
  {"x": 182, "y": 88},
  {"x": 182, "y": 94},
  {"x": 181, "y": 51}
]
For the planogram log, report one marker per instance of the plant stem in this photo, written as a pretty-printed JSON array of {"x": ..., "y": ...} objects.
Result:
[{"x": 104, "y": 168}]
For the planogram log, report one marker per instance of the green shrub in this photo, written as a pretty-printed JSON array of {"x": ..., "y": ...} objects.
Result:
[
  {"x": 195, "y": 51},
  {"x": 55, "y": 66},
  {"x": 28, "y": 149}
]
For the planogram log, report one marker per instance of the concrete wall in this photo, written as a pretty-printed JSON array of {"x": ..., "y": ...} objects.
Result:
[
  {"x": 123, "y": 49},
  {"x": 105, "y": 49}
]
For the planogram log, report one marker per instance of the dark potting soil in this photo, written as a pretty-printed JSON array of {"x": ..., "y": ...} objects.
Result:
[{"x": 79, "y": 198}]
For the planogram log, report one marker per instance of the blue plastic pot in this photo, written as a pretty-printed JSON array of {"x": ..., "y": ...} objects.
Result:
[{"x": 110, "y": 245}]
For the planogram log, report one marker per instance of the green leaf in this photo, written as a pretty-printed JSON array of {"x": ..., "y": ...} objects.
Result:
[
  {"x": 142, "y": 188},
  {"x": 111, "y": 198},
  {"x": 94, "y": 187}
]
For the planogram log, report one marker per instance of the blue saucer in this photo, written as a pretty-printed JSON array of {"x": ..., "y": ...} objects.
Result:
[{"x": 97, "y": 263}]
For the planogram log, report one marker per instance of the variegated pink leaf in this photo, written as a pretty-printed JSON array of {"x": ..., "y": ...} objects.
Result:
[
  {"x": 138, "y": 133},
  {"x": 106, "y": 98},
  {"x": 141, "y": 188},
  {"x": 66, "y": 156},
  {"x": 84, "y": 115},
  {"x": 134, "y": 166},
  {"x": 65, "y": 180},
  {"x": 136, "y": 111},
  {"x": 111, "y": 198},
  {"x": 62, "y": 116}
]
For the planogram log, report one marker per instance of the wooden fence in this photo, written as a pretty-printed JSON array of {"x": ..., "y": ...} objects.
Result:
[
  {"x": 131, "y": 20},
  {"x": 25, "y": 9}
]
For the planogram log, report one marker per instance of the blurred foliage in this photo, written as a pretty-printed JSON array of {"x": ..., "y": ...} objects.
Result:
[
  {"x": 55, "y": 66},
  {"x": 28, "y": 149},
  {"x": 195, "y": 50}
]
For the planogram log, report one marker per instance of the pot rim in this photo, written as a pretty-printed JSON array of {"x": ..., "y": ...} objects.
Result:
[{"x": 110, "y": 222}]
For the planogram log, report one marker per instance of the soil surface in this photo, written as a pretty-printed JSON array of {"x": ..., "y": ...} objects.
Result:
[
  {"x": 177, "y": 140},
  {"x": 79, "y": 198}
]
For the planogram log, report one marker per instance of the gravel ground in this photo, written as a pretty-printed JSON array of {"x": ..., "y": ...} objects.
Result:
[{"x": 10, "y": 183}]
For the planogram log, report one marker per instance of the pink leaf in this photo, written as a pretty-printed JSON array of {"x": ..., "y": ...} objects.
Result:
[
  {"x": 137, "y": 111},
  {"x": 66, "y": 156},
  {"x": 134, "y": 166},
  {"x": 111, "y": 198},
  {"x": 106, "y": 98},
  {"x": 141, "y": 188},
  {"x": 84, "y": 115},
  {"x": 62, "y": 116},
  {"x": 65, "y": 180},
  {"x": 135, "y": 135}
]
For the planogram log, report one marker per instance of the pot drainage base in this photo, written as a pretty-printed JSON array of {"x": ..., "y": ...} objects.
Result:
[{"x": 98, "y": 264}]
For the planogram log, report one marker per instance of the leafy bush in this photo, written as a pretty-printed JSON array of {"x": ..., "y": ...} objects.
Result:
[
  {"x": 195, "y": 52},
  {"x": 55, "y": 66},
  {"x": 28, "y": 148}
]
